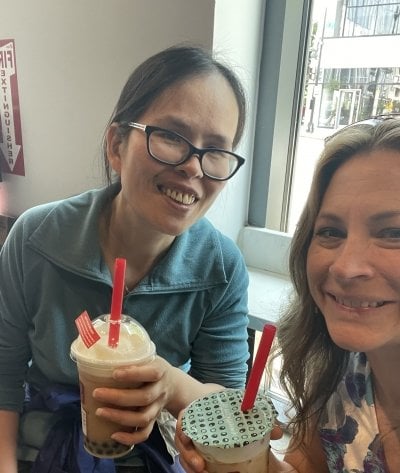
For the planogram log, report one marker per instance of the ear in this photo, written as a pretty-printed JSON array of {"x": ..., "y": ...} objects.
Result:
[{"x": 114, "y": 148}]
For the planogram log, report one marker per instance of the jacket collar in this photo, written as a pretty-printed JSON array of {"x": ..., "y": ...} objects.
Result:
[{"x": 67, "y": 235}]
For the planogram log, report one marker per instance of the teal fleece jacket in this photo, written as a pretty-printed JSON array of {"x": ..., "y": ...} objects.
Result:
[{"x": 193, "y": 303}]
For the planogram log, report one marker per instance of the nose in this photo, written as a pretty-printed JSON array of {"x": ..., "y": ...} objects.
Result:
[
  {"x": 192, "y": 167},
  {"x": 352, "y": 260}
]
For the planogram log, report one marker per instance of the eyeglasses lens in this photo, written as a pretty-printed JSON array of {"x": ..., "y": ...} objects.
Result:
[{"x": 170, "y": 148}]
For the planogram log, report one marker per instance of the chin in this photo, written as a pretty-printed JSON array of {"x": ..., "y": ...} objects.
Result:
[
  {"x": 345, "y": 339},
  {"x": 175, "y": 227},
  {"x": 173, "y": 231},
  {"x": 355, "y": 344}
]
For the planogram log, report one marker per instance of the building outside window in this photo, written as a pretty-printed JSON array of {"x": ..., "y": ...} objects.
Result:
[{"x": 339, "y": 66}]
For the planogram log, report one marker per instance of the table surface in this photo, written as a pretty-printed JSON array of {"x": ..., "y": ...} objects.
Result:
[{"x": 268, "y": 294}]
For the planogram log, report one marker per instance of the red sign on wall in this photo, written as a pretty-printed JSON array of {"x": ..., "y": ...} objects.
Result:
[{"x": 11, "y": 150}]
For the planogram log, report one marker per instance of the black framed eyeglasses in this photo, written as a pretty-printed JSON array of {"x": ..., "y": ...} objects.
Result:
[
  {"x": 171, "y": 148},
  {"x": 372, "y": 121}
]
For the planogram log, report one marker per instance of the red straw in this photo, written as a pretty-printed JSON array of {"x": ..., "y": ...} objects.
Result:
[
  {"x": 116, "y": 302},
  {"x": 258, "y": 367}
]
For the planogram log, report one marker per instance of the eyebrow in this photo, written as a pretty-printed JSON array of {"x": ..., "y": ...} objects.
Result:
[
  {"x": 376, "y": 218},
  {"x": 387, "y": 215},
  {"x": 328, "y": 216}
]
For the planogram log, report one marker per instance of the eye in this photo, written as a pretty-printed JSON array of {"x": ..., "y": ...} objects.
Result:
[
  {"x": 329, "y": 232},
  {"x": 390, "y": 233},
  {"x": 168, "y": 137},
  {"x": 329, "y": 236}
]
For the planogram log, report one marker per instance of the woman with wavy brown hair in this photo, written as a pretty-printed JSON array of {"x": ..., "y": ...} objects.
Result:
[{"x": 340, "y": 337}]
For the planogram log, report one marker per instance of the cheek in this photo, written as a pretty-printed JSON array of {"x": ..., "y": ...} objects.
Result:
[
  {"x": 136, "y": 163},
  {"x": 316, "y": 268},
  {"x": 212, "y": 189}
]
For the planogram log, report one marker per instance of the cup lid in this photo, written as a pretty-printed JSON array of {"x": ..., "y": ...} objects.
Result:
[
  {"x": 217, "y": 420},
  {"x": 134, "y": 345}
]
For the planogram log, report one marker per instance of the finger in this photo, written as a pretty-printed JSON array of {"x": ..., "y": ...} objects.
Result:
[
  {"x": 142, "y": 396},
  {"x": 133, "y": 437},
  {"x": 148, "y": 373},
  {"x": 277, "y": 432},
  {"x": 132, "y": 417},
  {"x": 189, "y": 458},
  {"x": 191, "y": 468}
]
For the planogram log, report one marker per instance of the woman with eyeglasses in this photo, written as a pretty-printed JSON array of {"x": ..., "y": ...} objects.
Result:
[
  {"x": 168, "y": 153},
  {"x": 340, "y": 337}
]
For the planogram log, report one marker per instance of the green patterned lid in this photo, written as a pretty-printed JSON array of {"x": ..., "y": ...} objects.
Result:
[{"x": 217, "y": 420}]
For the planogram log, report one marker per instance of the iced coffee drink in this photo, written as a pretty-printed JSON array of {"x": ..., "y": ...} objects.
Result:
[
  {"x": 229, "y": 440},
  {"x": 95, "y": 366}
]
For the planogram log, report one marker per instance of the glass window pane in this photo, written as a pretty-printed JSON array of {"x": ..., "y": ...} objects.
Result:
[{"x": 351, "y": 74}]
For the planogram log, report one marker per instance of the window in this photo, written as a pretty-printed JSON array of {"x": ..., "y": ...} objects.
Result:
[{"x": 325, "y": 64}]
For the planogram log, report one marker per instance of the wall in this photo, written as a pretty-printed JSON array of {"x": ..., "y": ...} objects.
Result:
[{"x": 72, "y": 59}]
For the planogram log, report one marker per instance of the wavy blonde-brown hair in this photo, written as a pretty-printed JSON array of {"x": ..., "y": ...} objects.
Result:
[{"x": 312, "y": 365}]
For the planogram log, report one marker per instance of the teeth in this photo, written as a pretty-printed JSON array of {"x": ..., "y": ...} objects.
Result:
[
  {"x": 362, "y": 304},
  {"x": 180, "y": 197}
]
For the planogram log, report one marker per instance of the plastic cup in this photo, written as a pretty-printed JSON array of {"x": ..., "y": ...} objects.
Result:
[
  {"x": 229, "y": 440},
  {"x": 95, "y": 367}
]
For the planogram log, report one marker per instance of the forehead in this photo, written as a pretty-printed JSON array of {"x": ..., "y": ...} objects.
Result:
[
  {"x": 365, "y": 178},
  {"x": 206, "y": 102},
  {"x": 209, "y": 89}
]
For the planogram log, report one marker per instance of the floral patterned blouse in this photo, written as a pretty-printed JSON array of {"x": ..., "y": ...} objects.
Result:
[{"x": 349, "y": 428}]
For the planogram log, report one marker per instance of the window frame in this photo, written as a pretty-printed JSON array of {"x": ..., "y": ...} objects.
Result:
[{"x": 284, "y": 53}]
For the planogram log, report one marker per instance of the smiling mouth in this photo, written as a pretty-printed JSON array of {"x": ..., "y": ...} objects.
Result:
[
  {"x": 178, "y": 196},
  {"x": 358, "y": 304}
]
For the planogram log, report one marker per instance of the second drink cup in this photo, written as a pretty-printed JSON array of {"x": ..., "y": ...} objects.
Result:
[
  {"x": 95, "y": 366},
  {"x": 230, "y": 440}
]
